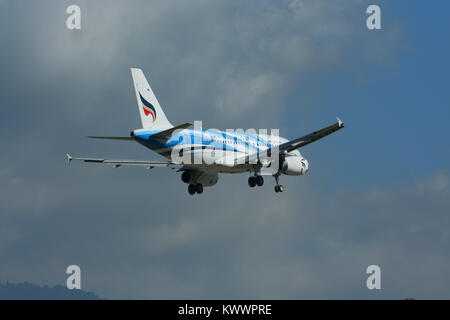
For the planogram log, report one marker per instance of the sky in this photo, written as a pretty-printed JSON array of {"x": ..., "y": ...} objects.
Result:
[{"x": 377, "y": 192}]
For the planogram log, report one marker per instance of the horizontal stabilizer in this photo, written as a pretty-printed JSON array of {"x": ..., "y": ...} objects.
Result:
[
  {"x": 111, "y": 138},
  {"x": 166, "y": 134}
]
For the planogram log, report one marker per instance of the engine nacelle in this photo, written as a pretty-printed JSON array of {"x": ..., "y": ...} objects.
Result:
[
  {"x": 294, "y": 166},
  {"x": 206, "y": 179}
]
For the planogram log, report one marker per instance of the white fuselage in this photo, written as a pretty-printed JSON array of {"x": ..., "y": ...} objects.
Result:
[{"x": 199, "y": 149}]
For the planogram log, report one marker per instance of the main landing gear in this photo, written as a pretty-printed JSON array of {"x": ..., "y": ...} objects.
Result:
[
  {"x": 278, "y": 187},
  {"x": 193, "y": 188},
  {"x": 255, "y": 180}
]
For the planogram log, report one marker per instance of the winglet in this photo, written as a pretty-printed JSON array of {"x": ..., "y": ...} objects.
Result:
[
  {"x": 69, "y": 158},
  {"x": 340, "y": 123}
]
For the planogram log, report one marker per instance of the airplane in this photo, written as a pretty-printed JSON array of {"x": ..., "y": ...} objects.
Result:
[{"x": 244, "y": 152}]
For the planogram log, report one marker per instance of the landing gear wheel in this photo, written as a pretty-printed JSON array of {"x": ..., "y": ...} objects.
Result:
[
  {"x": 199, "y": 188},
  {"x": 278, "y": 187},
  {"x": 259, "y": 181},
  {"x": 186, "y": 177},
  {"x": 251, "y": 182},
  {"x": 191, "y": 189}
]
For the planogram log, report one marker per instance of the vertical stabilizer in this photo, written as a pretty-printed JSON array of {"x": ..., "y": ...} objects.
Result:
[{"x": 152, "y": 115}]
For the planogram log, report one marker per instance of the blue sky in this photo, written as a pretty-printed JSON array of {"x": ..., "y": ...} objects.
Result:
[{"x": 397, "y": 117}]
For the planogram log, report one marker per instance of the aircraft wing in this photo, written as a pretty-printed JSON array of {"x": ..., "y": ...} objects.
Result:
[
  {"x": 314, "y": 136},
  {"x": 117, "y": 163},
  {"x": 296, "y": 143}
]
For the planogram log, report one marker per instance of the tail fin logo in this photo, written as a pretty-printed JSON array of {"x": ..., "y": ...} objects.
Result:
[{"x": 148, "y": 108}]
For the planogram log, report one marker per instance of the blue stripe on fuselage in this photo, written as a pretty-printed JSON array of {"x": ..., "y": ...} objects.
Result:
[{"x": 200, "y": 138}]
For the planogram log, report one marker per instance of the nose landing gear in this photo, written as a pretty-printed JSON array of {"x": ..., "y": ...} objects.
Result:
[{"x": 278, "y": 187}]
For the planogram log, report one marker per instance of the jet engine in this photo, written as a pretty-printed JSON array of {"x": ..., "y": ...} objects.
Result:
[
  {"x": 207, "y": 179},
  {"x": 294, "y": 166}
]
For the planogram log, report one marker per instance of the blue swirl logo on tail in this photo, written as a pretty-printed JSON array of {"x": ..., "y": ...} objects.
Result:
[{"x": 148, "y": 108}]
